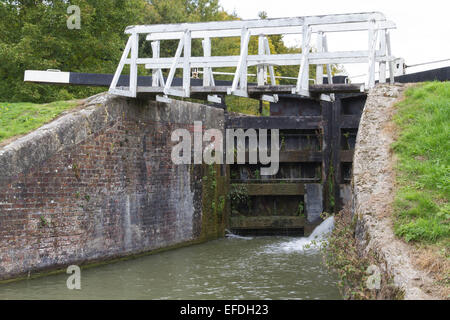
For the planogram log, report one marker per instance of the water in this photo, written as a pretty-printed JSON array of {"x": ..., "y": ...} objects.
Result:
[{"x": 230, "y": 268}]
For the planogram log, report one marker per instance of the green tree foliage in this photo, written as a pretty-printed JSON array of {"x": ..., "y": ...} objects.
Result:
[{"x": 34, "y": 36}]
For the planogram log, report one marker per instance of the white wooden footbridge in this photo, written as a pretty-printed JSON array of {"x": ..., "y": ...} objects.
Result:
[{"x": 376, "y": 51}]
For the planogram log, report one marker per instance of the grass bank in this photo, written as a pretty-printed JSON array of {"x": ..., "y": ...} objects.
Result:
[
  {"x": 422, "y": 148},
  {"x": 20, "y": 118}
]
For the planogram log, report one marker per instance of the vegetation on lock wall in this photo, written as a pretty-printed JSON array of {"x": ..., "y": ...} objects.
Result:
[
  {"x": 215, "y": 203},
  {"x": 342, "y": 255}
]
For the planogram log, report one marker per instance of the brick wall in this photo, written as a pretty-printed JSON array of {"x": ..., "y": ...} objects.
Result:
[{"x": 99, "y": 183}]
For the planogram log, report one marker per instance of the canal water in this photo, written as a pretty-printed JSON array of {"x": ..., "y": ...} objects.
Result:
[{"x": 230, "y": 268}]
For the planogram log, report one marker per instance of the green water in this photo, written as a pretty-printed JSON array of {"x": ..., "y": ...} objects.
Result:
[{"x": 230, "y": 268}]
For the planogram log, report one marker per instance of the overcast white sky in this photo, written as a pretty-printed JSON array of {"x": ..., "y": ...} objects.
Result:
[{"x": 422, "y": 34}]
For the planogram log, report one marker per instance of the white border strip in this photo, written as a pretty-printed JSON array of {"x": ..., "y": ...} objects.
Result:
[{"x": 47, "y": 76}]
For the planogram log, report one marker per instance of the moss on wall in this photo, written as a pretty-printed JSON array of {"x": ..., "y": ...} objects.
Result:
[{"x": 215, "y": 203}]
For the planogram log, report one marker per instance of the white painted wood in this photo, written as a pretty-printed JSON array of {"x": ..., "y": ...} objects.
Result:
[
  {"x": 173, "y": 67},
  {"x": 260, "y": 69},
  {"x": 208, "y": 78},
  {"x": 46, "y": 76},
  {"x": 225, "y": 33},
  {"x": 242, "y": 61},
  {"x": 187, "y": 64},
  {"x": 122, "y": 92},
  {"x": 245, "y": 39},
  {"x": 214, "y": 99},
  {"x": 303, "y": 75},
  {"x": 271, "y": 70},
  {"x": 319, "y": 67},
  {"x": 326, "y": 97},
  {"x": 119, "y": 70},
  {"x": 391, "y": 61},
  {"x": 156, "y": 81},
  {"x": 238, "y": 92},
  {"x": 382, "y": 64},
  {"x": 163, "y": 99},
  {"x": 372, "y": 47},
  {"x": 329, "y": 71},
  {"x": 133, "y": 65},
  {"x": 270, "y": 98},
  {"x": 175, "y": 92},
  {"x": 275, "y": 59},
  {"x": 258, "y": 23},
  {"x": 373, "y": 22}
]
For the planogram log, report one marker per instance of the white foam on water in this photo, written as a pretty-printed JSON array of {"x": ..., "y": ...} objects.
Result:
[
  {"x": 311, "y": 243},
  {"x": 231, "y": 235}
]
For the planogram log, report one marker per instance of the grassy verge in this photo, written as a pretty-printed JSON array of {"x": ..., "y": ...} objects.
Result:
[
  {"x": 20, "y": 118},
  {"x": 421, "y": 207}
]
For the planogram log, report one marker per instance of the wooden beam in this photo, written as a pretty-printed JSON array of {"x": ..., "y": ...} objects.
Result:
[
  {"x": 288, "y": 122},
  {"x": 267, "y": 222},
  {"x": 275, "y": 189},
  {"x": 267, "y": 31},
  {"x": 300, "y": 156},
  {"x": 257, "y": 23}
]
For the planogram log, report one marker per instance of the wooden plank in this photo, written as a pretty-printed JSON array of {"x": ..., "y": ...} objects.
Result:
[
  {"x": 261, "y": 68},
  {"x": 288, "y": 122},
  {"x": 267, "y": 222},
  {"x": 257, "y": 23},
  {"x": 267, "y": 31},
  {"x": 319, "y": 67},
  {"x": 133, "y": 64},
  {"x": 275, "y": 189},
  {"x": 145, "y": 83},
  {"x": 382, "y": 68},
  {"x": 255, "y": 91},
  {"x": 187, "y": 64},
  {"x": 372, "y": 52},
  {"x": 174, "y": 66},
  {"x": 300, "y": 156},
  {"x": 303, "y": 74},
  {"x": 297, "y": 156},
  {"x": 291, "y": 59}
]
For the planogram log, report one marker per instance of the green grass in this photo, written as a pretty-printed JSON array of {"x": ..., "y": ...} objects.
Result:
[
  {"x": 23, "y": 117},
  {"x": 421, "y": 205},
  {"x": 246, "y": 106}
]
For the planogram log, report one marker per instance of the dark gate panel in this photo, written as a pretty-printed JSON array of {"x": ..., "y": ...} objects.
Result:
[{"x": 317, "y": 141}]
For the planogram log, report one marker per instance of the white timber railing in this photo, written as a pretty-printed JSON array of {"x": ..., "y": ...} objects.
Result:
[{"x": 374, "y": 23}]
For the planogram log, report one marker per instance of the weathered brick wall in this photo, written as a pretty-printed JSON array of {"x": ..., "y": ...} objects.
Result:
[{"x": 99, "y": 183}]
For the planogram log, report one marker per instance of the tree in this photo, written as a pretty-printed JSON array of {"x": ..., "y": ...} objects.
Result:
[{"x": 34, "y": 35}]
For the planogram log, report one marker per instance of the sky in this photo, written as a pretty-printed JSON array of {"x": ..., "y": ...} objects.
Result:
[{"x": 422, "y": 34}]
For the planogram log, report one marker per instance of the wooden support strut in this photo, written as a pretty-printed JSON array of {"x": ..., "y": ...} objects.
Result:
[
  {"x": 375, "y": 23},
  {"x": 208, "y": 77},
  {"x": 157, "y": 76},
  {"x": 373, "y": 32},
  {"x": 303, "y": 75}
]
